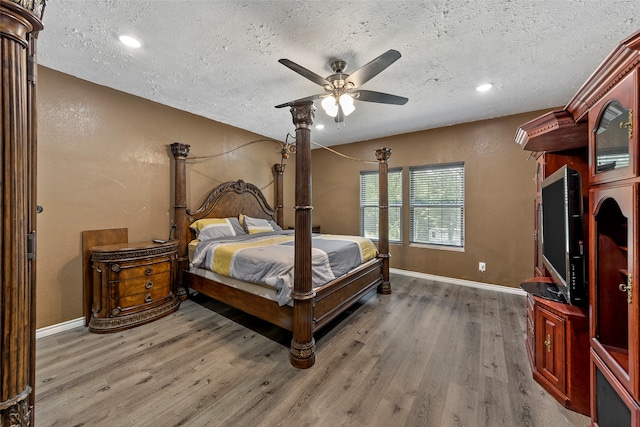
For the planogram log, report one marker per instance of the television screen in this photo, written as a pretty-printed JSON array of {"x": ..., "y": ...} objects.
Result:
[
  {"x": 562, "y": 233},
  {"x": 555, "y": 244}
]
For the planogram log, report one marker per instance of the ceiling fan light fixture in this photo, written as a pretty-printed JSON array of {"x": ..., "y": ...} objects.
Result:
[
  {"x": 341, "y": 89},
  {"x": 346, "y": 102},
  {"x": 330, "y": 106}
]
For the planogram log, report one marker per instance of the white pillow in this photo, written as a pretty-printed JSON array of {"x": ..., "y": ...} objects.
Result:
[{"x": 255, "y": 225}]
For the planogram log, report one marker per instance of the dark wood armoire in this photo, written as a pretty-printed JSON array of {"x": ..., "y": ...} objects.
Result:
[{"x": 20, "y": 23}]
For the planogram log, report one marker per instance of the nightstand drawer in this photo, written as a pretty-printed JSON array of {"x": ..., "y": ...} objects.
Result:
[
  {"x": 139, "y": 300},
  {"x": 130, "y": 272},
  {"x": 140, "y": 285}
]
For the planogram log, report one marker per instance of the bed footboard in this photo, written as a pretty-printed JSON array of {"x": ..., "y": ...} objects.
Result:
[{"x": 335, "y": 297}]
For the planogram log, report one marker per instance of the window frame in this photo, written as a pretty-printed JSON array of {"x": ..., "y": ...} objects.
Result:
[
  {"x": 456, "y": 202},
  {"x": 392, "y": 205}
]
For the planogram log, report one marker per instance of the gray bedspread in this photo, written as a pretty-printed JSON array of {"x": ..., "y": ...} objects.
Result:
[{"x": 268, "y": 258}]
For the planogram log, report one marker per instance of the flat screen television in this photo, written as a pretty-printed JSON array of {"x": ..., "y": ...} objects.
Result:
[{"x": 562, "y": 234}]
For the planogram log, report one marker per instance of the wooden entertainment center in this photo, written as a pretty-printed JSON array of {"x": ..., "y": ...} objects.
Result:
[{"x": 597, "y": 134}]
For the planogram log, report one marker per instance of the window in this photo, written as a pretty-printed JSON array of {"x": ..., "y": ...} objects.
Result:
[
  {"x": 437, "y": 205},
  {"x": 369, "y": 184}
]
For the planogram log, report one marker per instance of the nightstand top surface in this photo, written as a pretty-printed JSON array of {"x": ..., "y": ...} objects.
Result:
[{"x": 134, "y": 246}]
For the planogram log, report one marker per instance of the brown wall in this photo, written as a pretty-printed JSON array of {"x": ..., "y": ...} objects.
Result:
[
  {"x": 499, "y": 196},
  {"x": 104, "y": 162}
]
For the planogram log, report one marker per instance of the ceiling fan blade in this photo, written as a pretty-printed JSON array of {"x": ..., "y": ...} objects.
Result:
[
  {"x": 373, "y": 68},
  {"x": 299, "y": 101},
  {"x": 304, "y": 72},
  {"x": 383, "y": 98}
]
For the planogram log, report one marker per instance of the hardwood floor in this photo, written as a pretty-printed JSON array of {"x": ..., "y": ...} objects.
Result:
[{"x": 429, "y": 354}]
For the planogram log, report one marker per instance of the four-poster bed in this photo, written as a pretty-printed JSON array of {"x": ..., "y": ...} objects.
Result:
[{"x": 310, "y": 308}]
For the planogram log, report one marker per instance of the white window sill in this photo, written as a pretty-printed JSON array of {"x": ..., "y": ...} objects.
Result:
[{"x": 438, "y": 247}]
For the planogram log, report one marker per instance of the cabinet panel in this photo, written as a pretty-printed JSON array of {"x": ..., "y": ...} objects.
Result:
[
  {"x": 550, "y": 356},
  {"x": 612, "y": 405},
  {"x": 614, "y": 293},
  {"x": 558, "y": 345},
  {"x": 613, "y": 138}
]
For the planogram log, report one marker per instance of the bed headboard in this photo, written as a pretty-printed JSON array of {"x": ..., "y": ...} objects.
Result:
[{"x": 231, "y": 199}]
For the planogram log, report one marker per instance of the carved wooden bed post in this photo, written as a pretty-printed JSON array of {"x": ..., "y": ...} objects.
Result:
[
  {"x": 180, "y": 153},
  {"x": 278, "y": 172},
  {"x": 383, "y": 154},
  {"x": 20, "y": 23},
  {"x": 303, "y": 346}
]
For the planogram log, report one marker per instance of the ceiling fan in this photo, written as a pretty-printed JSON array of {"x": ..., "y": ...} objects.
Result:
[{"x": 341, "y": 88}]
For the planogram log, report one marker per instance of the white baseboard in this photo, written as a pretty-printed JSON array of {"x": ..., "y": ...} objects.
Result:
[
  {"x": 60, "y": 327},
  {"x": 461, "y": 282}
]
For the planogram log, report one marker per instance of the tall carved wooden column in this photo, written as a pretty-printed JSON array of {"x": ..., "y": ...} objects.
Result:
[
  {"x": 278, "y": 172},
  {"x": 180, "y": 153},
  {"x": 303, "y": 345},
  {"x": 20, "y": 22},
  {"x": 383, "y": 155}
]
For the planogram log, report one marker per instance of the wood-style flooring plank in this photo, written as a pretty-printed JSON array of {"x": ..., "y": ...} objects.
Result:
[{"x": 429, "y": 354}]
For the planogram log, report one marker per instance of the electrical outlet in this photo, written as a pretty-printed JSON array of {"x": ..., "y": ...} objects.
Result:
[{"x": 482, "y": 267}]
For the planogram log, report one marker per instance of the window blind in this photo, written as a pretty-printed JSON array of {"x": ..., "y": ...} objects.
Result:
[
  {"x": 437, "y": 204},
  {"x": 369, "y": 212}
]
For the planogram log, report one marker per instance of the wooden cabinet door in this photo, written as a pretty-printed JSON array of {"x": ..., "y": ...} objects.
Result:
[
  {"x": 613, "y": 140},
  {"x": 550, "y": 345},
  {"x": 614, "y": 291},
  {"x": 611, "y": 404}
]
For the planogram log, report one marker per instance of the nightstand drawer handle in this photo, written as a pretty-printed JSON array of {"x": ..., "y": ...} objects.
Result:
[
  {"x": 147, "y": 298},
  {"x": 148, "y": 271},
  {"x": 148, "y": 285}
]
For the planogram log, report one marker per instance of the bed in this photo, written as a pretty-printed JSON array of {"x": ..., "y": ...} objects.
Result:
[{"x": 309, "y": 308}]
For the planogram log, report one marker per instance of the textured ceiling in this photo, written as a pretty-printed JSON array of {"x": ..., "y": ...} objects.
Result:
[{"x": 219, "y": 59}]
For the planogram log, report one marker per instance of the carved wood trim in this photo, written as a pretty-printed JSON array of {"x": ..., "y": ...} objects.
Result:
[
  {"x": 622, "y": 60},
  {"x": 18, "y": 410},
  {"x": 553, "y": 131},
  {"x": 121, "y": 255},
  {"x": 35, "y": 7},
  {"x": 240, "y": 188},
  {"x": 121, "y": 323}
]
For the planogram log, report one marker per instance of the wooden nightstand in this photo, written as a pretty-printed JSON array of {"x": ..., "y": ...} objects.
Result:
[{"x": 133, "y": 284}]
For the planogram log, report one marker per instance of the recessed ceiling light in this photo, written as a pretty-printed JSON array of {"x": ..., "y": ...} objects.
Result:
[
  {"x": 319, "y": 127},
  {"x": 130, "y": 41},
  {"x": 484, "y": 87}
]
